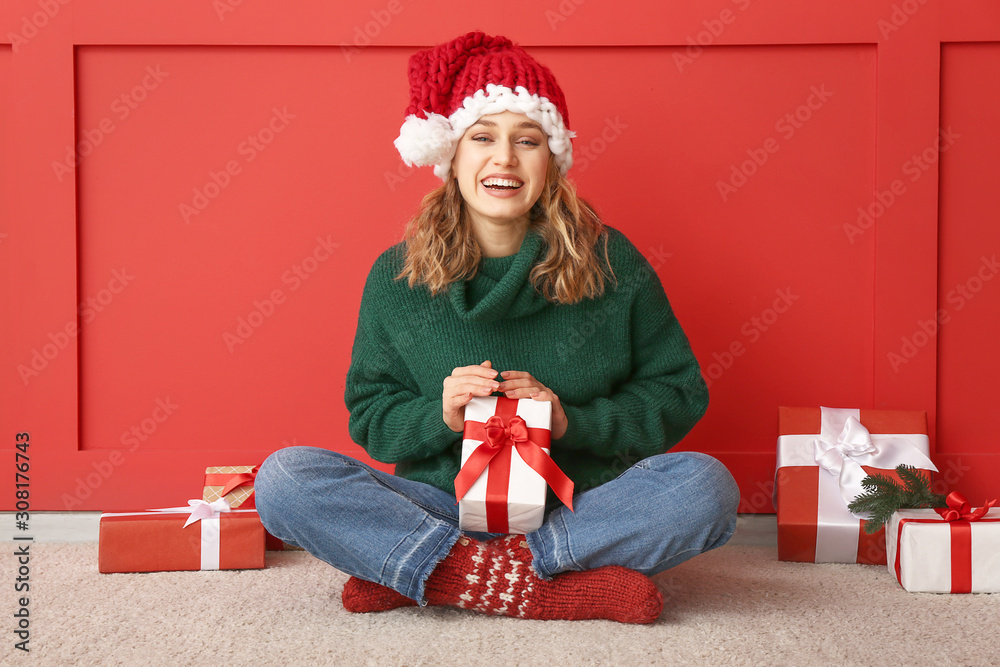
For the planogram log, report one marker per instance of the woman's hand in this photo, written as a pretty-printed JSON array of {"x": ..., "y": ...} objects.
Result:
[
  {"x": 520, "y": 384},
  {"x": 459, "y": 388},
  {"x": 466, "y": 382}
]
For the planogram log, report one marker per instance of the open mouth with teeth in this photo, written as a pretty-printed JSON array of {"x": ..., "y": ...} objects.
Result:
[{"x": 501, "y": 184}]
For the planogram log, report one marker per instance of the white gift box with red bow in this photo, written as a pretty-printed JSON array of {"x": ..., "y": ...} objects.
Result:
[
  {"x": 953, "y": 550},
  {"x": 525, "y": 491}
]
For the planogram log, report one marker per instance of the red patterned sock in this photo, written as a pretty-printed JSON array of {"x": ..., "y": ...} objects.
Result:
[
  {"x": 362, "y": 596},
  {"x": 496, "y": 578},
  {"x": 514, "y": 546}
]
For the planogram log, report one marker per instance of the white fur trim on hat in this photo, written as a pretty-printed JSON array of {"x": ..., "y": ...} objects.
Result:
[{"x": 433, "y": 141}]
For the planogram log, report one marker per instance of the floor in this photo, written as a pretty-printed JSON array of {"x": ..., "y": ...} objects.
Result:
[{"x": 754, "y": 529}]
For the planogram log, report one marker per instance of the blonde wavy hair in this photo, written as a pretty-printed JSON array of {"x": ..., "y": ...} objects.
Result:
[{"x": 441, "y": 248}]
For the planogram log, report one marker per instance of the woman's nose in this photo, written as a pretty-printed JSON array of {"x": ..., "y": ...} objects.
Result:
[{"x": 504, "y": 154}]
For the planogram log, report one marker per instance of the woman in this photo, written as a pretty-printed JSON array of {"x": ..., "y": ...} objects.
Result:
[{"x": 505, "y": 269}]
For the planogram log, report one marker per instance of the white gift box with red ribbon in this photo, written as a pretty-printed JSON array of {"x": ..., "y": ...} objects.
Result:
[
  {"x": 508, "y": 495},
  {"x": 955, "y": 550}
]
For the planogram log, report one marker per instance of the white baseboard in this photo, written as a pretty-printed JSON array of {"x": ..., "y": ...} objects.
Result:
[{"x": 756, "y": 529}]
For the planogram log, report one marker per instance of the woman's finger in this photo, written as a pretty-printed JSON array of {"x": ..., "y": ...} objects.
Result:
[
  {"x": 477, "y": 370},
  {"x": 477, "y": 387}
]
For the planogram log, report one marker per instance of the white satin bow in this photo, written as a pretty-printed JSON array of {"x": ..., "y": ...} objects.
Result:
[
  {"x": 841, "y": 457},
  {"x": 854, "y": 440},
  {"x": 853, "y": 448},
  {"x": 198, "y": 509}
]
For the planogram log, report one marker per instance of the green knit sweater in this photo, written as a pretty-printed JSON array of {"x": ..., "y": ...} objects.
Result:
[{"x": 620, "y": 364}]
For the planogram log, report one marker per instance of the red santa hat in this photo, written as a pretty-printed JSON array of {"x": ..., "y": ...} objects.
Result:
[{"x": 453, "y": 85}]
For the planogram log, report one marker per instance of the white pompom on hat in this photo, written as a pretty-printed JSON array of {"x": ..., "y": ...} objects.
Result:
[{"x": 453, "y": 85}]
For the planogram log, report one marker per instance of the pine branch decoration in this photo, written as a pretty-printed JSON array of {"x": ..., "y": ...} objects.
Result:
[
  {"x": 917, "y": 484},
  {"x": 884, "y": 495}
]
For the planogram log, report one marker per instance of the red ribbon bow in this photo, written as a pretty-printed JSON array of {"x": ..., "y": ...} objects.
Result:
[
  {"x": 497, "y": 433},
  {"x": 230, "y": 481},
  {"x": 500, "y": 436},
  {"x": 959, "y": 509}
]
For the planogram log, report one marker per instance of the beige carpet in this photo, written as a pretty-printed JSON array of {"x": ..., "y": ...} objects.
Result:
[{"x": 734, "y": 606}]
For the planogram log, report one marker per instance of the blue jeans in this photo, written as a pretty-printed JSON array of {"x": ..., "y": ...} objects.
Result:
[{"x": 658, "y": 513}]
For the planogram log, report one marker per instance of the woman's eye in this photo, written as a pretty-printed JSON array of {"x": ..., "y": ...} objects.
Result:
[{"x": 485, "y": 138}]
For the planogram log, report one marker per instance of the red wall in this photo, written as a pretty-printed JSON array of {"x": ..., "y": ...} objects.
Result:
[{"x": 192, "y": 195}]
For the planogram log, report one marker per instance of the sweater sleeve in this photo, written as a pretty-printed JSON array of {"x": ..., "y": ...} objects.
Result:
[
  {"x": 665, "y": 395},
  {"x": 389, "y": 417}
]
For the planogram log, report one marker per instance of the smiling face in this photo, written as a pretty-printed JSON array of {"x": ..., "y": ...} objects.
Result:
[{"x": 500, "y": 165}]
